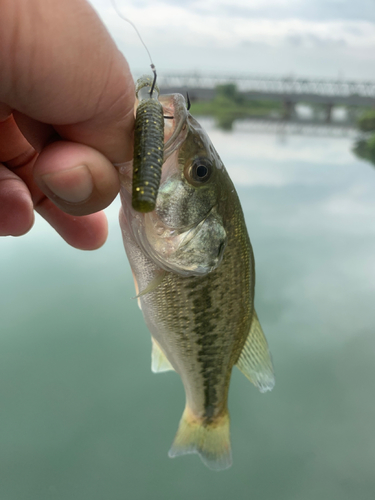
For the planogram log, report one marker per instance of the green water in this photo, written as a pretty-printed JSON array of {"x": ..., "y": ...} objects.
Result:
[{"x": 82, "y": 416}]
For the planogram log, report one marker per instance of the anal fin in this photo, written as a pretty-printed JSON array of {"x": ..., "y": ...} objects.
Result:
[
  {"x": 159, "y": 361},
  {"x": 255, "y": 359}
]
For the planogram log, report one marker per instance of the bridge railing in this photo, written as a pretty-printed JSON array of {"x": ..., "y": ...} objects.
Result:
[{"x": 270, "y": 84}]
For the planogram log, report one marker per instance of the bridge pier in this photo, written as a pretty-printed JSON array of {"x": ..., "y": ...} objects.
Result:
[
  {"x": 288, "y": 110},
  {"x": 329, "y": 108}
]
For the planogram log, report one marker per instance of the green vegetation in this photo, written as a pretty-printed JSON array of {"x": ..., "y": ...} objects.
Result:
[
  {"x": 365, "y": 147},
  {"x": 366, "y": 122},
  {"x": 230, "y": 105}
]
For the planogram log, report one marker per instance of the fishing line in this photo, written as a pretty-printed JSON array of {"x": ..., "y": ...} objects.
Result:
[
  {"x": 148, "y": 137},
  {"x": 119, "y": 13}
]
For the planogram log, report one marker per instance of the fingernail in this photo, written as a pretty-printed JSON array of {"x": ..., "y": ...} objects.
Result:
[{"x": 74, "y": 185}]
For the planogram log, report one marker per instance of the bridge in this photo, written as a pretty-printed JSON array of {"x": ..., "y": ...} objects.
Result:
[{"x": 288, "y": 90}]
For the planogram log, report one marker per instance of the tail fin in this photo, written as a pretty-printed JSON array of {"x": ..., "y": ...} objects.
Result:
[{"x": 210, "y": 441}]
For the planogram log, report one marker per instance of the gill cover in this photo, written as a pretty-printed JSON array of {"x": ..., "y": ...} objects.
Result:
[{"x": 196, "y": 251}]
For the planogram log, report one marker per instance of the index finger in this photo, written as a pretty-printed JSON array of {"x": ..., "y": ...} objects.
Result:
[{"x": 69, "y": 74}]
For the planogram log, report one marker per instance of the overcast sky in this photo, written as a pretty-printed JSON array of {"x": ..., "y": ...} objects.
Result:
[{"x": 318, "y": 38}]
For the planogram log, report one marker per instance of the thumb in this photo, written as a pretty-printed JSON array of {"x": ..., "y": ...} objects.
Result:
[{"x": 77, "y": 178}]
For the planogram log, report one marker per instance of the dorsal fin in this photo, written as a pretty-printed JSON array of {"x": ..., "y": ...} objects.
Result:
[
  {"x": 255, "y": 359},
  {"x": 159, "y": 361}
]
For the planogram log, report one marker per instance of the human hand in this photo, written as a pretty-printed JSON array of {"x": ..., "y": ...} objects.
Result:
[{"x": 66, "y": 113}]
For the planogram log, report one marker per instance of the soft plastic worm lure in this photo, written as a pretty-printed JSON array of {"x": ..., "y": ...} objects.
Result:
[
  {"x": 148, "y": 137},
  {"x": 148, "y": 145}
]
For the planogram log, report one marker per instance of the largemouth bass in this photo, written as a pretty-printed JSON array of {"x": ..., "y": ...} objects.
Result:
[{"x": 193, "y": 267}]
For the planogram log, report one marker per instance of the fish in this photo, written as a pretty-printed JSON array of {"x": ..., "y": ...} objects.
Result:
[{"x": 194, "y": 274}]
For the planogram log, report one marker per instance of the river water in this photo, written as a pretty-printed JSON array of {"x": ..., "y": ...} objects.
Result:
[{"x": 83, "y": 417}]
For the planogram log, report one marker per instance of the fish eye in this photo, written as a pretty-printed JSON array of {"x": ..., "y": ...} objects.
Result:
[{"x": 200, "y": 170}]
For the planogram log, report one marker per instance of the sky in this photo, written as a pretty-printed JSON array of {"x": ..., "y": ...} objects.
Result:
[{"x": 307, "y": 38}]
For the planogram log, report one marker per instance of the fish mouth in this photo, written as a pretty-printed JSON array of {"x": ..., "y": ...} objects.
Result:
[{"x": 174, "y": 129}]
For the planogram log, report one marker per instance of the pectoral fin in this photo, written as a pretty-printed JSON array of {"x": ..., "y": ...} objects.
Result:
[
  {"x": 149, "y": 288},
  {"x": 154, "y": 283},
  {"x": 255, "y": 359},
  {"x": 136, "y": 290},
  {"x": 159, "y": 361}
]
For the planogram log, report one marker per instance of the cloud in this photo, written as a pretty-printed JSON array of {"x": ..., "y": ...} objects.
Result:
[
  {"x": 208, "y": 25},
  {"x": 314, "y": 41},
  {"x": 313, "y": 10},
  {"x": 180, "y": 24},
  {"x": 317, "y": 37}
]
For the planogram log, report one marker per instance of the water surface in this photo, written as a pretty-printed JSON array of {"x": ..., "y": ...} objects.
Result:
[{"x": 83, "y": 417}]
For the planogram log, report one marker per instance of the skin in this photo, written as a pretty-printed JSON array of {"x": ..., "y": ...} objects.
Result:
[{"x": 66, "y": 114}]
